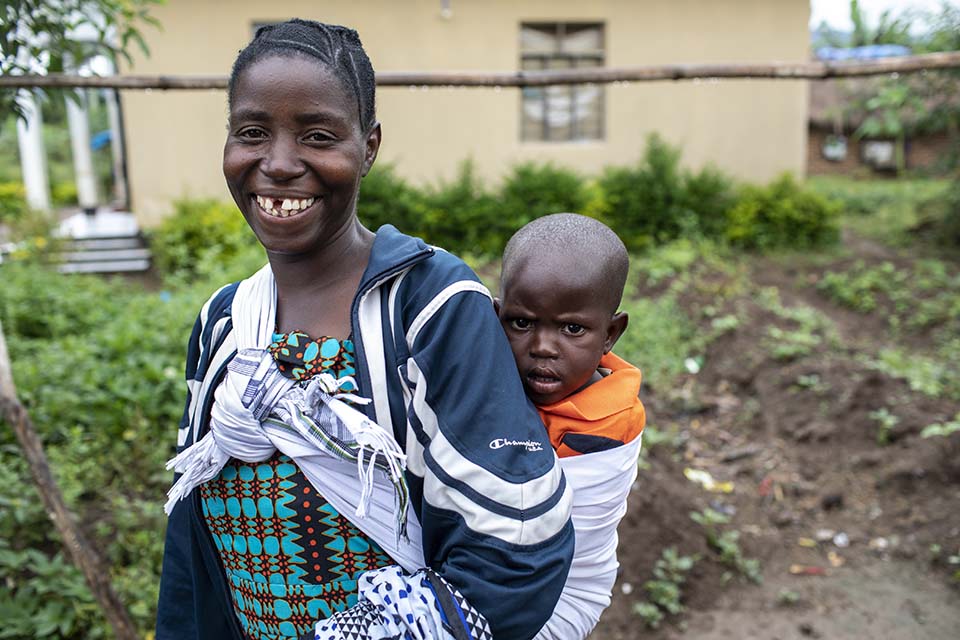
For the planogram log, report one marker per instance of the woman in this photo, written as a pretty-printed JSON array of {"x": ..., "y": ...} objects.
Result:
[{"x": 356, "y": 374}]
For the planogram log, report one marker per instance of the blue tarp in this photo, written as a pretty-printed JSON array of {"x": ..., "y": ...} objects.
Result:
[{"x": 870, "y": 52}]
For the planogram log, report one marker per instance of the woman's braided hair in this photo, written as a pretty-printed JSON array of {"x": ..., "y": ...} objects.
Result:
[{"x": 337, "y": 47}]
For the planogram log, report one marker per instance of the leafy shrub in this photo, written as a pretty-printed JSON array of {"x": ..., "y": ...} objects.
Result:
[
  {"x": 944, "y": 213},
  {"x": 200, "y": 238},
  {"x": 64, "y": 193},
  {"x": 781, "y": 214},
  {"x": 13, "y": 201},
  {"x": 534, "y": 190},
  {"x": 657, "y": 201},
  {"x": 100, "y": 369},
  {"x": 463, "y": 216},
  {"x": 386, "y": 198}
]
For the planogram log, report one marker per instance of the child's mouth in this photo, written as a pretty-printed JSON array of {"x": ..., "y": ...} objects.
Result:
[
  {"x": 542, "y": 382},
  {"x": 283, "y": 207}
]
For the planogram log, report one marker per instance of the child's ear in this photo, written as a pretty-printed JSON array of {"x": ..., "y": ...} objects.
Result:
[
  {"x": 618, "y": 324},
  {"x": 496, "y": 305}
]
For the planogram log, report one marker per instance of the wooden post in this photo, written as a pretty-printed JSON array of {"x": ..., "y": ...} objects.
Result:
[{"x": 79, "y": 550}]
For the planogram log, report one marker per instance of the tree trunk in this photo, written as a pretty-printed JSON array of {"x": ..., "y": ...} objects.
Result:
[{"x": 79, "y": 550}]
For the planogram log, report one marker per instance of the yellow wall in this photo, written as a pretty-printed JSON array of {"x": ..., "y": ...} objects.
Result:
[{"x": 752, "y": 129}]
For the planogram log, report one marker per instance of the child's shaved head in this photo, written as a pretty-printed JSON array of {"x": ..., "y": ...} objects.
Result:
[{"x": 587, "y": 245}]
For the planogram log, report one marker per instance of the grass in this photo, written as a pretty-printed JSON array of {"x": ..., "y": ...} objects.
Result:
[{"x": 880, "y": 209}]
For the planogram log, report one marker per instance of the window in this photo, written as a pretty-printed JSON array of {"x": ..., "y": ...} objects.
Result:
[{"x": 561, "y": 113}]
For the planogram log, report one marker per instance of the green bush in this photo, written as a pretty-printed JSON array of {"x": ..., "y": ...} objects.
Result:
[
  {"x": 781, "y": 214},
  {"x": 13, "y": 202},
  {"x": 460, "y": 215},
  {"x": 64, "y": 194},
  {"x": 201, "y": 238},
  {"x": 533, "y": 190},
  {"x": 657, "y": 201},
  {"x": 100, "y": 369},
  {"x": 386, "y": 198}
]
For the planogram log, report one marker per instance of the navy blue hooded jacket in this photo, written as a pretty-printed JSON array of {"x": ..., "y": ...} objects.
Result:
[{"x": 484, "y": 482}]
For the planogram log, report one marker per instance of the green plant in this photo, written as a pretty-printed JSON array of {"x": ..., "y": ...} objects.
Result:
[
  {"x": 787, "y": 598},
  {"x": 726, "y": 543},
  {"x": 665, "y": 589},
  {"x": 532, "y": 190},
  {"x": 782, "y": 214},
  {"x": 199, "y": 238},
  {"x": 13, "y": 201},
  {"x": 656, "y": 201},
  {"x": 942, "y": 429},
  {"x": 886, "y": 421}
]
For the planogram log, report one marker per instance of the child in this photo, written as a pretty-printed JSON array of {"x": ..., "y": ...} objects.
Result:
[{"x": 561, "y": 284}]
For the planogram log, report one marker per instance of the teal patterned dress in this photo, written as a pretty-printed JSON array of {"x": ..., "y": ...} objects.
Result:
[{"x": 290, "y": 559}]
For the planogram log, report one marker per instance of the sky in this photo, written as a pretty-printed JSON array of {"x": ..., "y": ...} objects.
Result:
[{"x": 837, "y": 12}]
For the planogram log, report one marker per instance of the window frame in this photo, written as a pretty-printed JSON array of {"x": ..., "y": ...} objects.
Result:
[{"x": 574, "y": 61}]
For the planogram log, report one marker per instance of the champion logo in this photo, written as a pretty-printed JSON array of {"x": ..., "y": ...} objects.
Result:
[{"x": 530, "y": 445}]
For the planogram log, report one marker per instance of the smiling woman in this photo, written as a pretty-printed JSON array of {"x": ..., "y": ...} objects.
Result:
[{"x": 345, "y": 382}]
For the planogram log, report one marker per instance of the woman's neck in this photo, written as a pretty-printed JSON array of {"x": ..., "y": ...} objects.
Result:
[{"x": 315, "y": 291}]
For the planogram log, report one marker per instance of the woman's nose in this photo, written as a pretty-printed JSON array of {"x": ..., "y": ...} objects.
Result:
[{"x": 281, "y": 161}]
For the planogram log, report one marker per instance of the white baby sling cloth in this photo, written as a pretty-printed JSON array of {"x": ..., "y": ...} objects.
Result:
[
  {"x": 601, "y": 482},
  {"x": 355, "y": 464}
]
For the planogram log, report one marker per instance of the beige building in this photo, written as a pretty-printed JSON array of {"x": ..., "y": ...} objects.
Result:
[{"x": 752, "y": 129}]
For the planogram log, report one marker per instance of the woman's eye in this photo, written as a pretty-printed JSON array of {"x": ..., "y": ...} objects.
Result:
[
  {"x": 574, "y": 329},
  {"x": 252, "y": 133},
  {"x": 520, "y": 324},
  {"x": 319, "y": 136}
]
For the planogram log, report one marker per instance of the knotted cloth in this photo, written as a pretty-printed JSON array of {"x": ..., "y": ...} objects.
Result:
[{"x": 352, "y": 461}]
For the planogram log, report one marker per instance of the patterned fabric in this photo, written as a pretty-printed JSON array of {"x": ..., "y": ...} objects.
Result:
[
  {"x": 290, "y": 559},
  {"x": 299, "y": 357},
  {"x": 396, "y": 606}
]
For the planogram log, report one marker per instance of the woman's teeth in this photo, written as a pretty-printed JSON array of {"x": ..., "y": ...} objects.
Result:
[{"x": 283, "y": 207}]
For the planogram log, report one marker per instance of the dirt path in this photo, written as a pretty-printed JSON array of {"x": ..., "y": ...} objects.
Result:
[{"x": 852, "y": 520}]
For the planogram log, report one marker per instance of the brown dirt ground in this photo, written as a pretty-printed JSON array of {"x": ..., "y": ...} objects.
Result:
[{"x": 802, "y": 461}]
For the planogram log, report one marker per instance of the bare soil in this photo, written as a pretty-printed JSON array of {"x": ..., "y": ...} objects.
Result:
[{"x": 806, "y": 465}]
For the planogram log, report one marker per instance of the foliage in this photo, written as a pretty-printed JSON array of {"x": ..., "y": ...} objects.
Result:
[
  {"x": 99, "y": 367},
  {"x": 200, "y": 238},
  {"x": 659, "y": 339},
  {"x": 782, "y": 214},
  {"x": 533, "y": 190},
  {"x": 42, "y": 37},
  {"x": 886, "y": 421},
  {"x": 386, "y": 198},
  {"x": 941, "y": 213},
  {"x": 656, "y": 201},
  {"x": 13, "y": 201},
  {"x": 895, "y": 111},
  {"x": 942, "y": 429},
  {"x": 726, "y": 543},
  {"x": 462, "y": 213},
  {"x": 664, "y": 590}
]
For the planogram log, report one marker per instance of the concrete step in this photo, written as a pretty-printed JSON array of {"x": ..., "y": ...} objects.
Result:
[
  {"x": 107, "y": 255},
  {"x": 110, "y": 266}
]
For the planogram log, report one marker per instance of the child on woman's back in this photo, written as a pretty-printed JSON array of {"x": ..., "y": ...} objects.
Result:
[{"x": 561, "y": 284}]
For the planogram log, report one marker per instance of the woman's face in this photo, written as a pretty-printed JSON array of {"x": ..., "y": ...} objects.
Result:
[{"x": 295, "y": 153}]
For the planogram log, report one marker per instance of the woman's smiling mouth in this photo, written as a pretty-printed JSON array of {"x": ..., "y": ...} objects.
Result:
[{"x": 283, "y": 207}]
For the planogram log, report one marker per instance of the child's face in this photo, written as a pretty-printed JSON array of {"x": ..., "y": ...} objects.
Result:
[
  {"x": 295, "y": 153},
  {"x": 559, "y": 326}
]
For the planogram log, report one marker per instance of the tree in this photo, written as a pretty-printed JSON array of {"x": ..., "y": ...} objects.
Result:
[{"x": 53, "y": 36}]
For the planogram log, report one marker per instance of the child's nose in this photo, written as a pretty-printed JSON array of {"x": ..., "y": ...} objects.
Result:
[{"x": 543, "y": 345}]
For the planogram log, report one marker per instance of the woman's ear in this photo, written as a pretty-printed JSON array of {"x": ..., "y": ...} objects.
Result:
[
  {"x": 371, "y": 149},
  {"x": 618, "y": 324}
]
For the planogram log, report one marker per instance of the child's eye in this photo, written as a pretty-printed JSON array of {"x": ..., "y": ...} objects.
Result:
[
  {"x": 574, "y": 329},
  {"x": 520, "y": 324}
]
